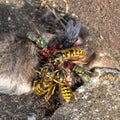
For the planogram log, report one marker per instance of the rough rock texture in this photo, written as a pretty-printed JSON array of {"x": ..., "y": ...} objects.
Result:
[
  {"x": 102, "y": 18},
  {"x": 18, "y": 57},
  {"x": 97, "y": 100}
]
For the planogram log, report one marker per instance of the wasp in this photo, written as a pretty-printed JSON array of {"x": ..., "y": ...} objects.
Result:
[
  {"x": 46, "y": 85},
  {"x": 64, "y": 87},
  {"x": 50, "y": 78},
  {"x": 72, "y": 54}
]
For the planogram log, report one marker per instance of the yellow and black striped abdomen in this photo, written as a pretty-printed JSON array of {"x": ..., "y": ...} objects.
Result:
[
  {"x": 77, "y": 52},
  {"x": 67, "y": 54},
  {"x": 66, "y": 92},
  {"x": 42, "y": 87},
  {"x": 72, "y": 53}
]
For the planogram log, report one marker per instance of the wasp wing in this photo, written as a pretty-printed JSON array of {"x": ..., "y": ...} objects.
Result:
[
  {"x": 72, "y": 31},
  {"x": 71, "y": 34}
]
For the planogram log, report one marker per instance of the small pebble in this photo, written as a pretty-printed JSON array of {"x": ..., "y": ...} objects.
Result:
[
  {"x": 31, "y": 118},
  {"x": 9, "y": 18},
  {"x": 7, "y": 1}
]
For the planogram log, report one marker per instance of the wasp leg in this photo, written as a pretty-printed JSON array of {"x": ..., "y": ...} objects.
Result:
[
  {"x": 57, "y": 81},
  {"x": 82, "y": 62},
  {"x": 67, "y": 6},
  {"x": 50, "y": 93},
  {"x": 39, "y": 72},
  {"x": 34, "y": 83}
]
